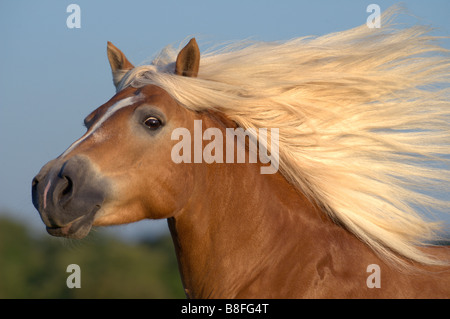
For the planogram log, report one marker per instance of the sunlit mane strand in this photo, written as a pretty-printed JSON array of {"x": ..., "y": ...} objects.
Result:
[{"x": 363, "y": 118}]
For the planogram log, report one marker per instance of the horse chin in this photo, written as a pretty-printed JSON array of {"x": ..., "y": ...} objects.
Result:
[
  {"x": 77, "y": 229},
  {"x": 70, "y": 231}
]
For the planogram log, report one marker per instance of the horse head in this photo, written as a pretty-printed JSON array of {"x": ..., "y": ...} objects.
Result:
[{"x": 120, "y": 170}]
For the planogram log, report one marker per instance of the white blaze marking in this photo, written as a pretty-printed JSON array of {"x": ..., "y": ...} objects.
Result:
[
  {"x": 112, "y": 109},
  {"x": 45, "y": 193}
]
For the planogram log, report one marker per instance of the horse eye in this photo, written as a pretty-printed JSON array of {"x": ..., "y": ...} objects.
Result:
[{"x": 152, "y": 123}]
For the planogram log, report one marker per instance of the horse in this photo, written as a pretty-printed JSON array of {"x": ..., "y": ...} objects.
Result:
[{"x": 357, "y": 125}]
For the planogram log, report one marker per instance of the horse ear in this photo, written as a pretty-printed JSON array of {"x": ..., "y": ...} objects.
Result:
[
  {"x": 188, "y": 60},
  {"x": 118, "y": 62}
]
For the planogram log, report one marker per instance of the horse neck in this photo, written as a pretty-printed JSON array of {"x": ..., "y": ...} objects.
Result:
[
  {"x": 238, "y": 223},
  {"x": 245, "y": 234}
]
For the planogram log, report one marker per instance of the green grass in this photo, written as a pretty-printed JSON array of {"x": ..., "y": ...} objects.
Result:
[{"x": 110, "y": 268}]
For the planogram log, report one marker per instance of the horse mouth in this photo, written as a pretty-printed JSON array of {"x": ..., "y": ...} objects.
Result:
[{"x": 76, "y": 229}]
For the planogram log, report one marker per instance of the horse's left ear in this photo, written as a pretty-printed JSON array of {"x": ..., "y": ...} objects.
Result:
[
  {"x": 118, "y": 62},
  {"x": 188, "y": 60}
]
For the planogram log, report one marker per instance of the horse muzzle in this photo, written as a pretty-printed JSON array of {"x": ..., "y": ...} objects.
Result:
[{"x": 68, "y": 194}]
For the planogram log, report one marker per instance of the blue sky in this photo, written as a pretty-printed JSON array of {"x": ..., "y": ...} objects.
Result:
[{"x": 52, "y": 76}]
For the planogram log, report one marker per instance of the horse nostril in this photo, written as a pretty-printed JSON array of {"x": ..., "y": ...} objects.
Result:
[
  {"x": 69, "y": 186},
  {"x": 66, "y": 190}
]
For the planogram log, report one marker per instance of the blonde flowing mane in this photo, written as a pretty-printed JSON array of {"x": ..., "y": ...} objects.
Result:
[{"x": 363, "y": 118}]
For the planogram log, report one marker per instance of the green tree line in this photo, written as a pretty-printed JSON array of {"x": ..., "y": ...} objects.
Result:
[{"x": 33, "y": 267}]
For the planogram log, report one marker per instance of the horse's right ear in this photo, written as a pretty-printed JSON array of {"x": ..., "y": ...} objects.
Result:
[{"x": 118, "y": 62}]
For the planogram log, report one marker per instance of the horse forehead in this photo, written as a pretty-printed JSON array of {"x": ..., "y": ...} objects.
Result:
[
  {"x": 155, "y": 94},
  {"x": 122, "y": 95},
  {"x": 150, "y": 94}
]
